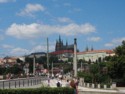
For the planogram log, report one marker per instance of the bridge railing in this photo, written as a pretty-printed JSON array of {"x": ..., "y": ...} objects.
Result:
[{"x": 20, "y": 82}]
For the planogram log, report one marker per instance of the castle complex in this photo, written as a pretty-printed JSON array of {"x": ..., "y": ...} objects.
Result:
[
  {"x": 62, "y": 51},
  {"x": 60, "y": 46},
  {"x": 66, "y": 51}
]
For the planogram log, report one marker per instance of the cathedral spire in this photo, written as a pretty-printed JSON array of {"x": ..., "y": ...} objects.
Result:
[
  {"x": 66, "y": 43},
  {"x": 59, "y": 39},
  {"x": 87, "y": 49},
  {"x": 92, "y": 48}
]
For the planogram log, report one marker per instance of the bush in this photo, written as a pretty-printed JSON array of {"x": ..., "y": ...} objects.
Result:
[
  {"x": 87, "y": 76},
  {"x": 45, "y": 90}
]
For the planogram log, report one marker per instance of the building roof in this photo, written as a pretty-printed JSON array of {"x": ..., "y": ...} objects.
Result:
[
  {"x": 38, "y": 53},
  {"x": 12, "y": 58},
  {"x": 61, "y": 52},
  {"x": 96, "y": 51}
]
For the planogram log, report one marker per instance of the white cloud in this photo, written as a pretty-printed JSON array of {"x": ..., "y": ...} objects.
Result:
[
  {"x": 19, "y": 51},
  {"x": 94, "y": 39},
  {"x": 115, "y": 42},
  {"x": 39, "y": 48},
  {"x": 42, "y": 48},
  {"x": 24, "y": 31},
  {"x": 64, "y": 20},
  {"x": 6, "y": 46},
  {"x": 5, "y": 1},
  {"x": 109, "y": 45},
  {"x": 34, "y": 30},
  {"x": 30, "y": 9},
  {"x": 118, "y": 40}
]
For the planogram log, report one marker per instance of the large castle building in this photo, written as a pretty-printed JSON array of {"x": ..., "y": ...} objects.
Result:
[
  {"x": 62, "y": 51},
  {"x": 60, "y": 45}
]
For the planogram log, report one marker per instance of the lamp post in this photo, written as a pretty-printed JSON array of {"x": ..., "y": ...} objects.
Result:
[
  {"x": 34, "y": 65},
  {"x": 81, "y": 66},
  {"x": 48, "y": 56},
  {"x": 75, "y": 59},
  {"x": 52, "y": 70}
]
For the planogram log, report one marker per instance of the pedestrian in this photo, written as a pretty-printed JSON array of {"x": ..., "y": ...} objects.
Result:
[
  {"x": 77, "y": 83},
  {"x": 73, "y": 85},
  {"x": 48, "y": 81},
  {"x": 59, "y": 84},
  {"x": 67, "y": 83}
]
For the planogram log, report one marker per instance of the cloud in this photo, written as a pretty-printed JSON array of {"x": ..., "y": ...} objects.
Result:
[
  {"x": 115, "y": 42},
  {"x": 64, "y": 20},
  {"x": 5, "y": 1},
  {"x": 24, "y": 31},
  {"x": 94, "y": 39},
  {"x": 34, "y": 30},
  {"x": 109, "y": 45},
  {"x": 118, "y": 40},
  {"x": 31, "y": 9},
  {"x": 39, "y": 48},
  {"x": 6, "y": 46},
  {"x": 42, "y": 48},
  {"x": 19, "y": 51}
]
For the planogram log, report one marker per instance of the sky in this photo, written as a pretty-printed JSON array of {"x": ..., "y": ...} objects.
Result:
[{"x": 26, "y": 24}]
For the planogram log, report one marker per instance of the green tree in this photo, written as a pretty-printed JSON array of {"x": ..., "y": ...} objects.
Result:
[
  {"x": 2, "y": 70},
  {"x": 16, "y": 69},
  {"x": 120, "y": 50},
  {"x": 117, "y": 63},
  {"x": 94, "y": 70}
]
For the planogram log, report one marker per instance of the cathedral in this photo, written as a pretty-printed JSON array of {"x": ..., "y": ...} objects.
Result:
[
  {"x": 63, "y": 52},
  {"x": 60, "y": 45}
]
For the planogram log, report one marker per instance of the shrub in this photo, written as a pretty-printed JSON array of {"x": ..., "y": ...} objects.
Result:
[{"x": 45, "y": 90}]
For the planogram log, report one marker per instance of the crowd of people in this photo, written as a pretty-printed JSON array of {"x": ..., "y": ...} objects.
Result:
[{"x": 72, "y": 83}]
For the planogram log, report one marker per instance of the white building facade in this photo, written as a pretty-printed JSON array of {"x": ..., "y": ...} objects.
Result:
[{"x": 94, "y": 55}]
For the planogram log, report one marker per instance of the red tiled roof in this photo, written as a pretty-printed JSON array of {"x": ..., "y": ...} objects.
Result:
[
  {"x": 61, "y": 52},
  {"x": 96, "y": 51}
]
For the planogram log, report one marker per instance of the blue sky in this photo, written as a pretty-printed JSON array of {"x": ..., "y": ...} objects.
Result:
[{"x": 25, "y": 24}]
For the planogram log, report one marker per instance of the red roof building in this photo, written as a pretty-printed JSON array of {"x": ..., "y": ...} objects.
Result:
[{"x": 63, "y": 54}]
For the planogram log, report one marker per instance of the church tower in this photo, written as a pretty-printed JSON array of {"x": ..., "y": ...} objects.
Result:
[
  {"x": 92, "y": 48},
  {"x": 87, "y": 49},
  {"x": 59, "y": 44},
  {"x": 66, "y": 45}
]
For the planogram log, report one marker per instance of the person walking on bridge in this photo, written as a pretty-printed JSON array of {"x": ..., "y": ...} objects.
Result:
[{"x": 73, "y": 85}]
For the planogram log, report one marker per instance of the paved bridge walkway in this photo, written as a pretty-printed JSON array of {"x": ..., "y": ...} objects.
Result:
[{"x": 84, "y": 89}]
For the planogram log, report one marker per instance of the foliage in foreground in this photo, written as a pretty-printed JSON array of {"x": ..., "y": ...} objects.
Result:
[{"x": 45, "y": 90}]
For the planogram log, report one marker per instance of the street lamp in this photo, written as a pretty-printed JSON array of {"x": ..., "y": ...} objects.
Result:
[
  {"x": 48, "y": 56},
  {"x": 81, "y": 66},
  {"x": 52, "y": 70},
  {"x": 75, "y": 59},
  {"x": 34, "y": 69}
]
